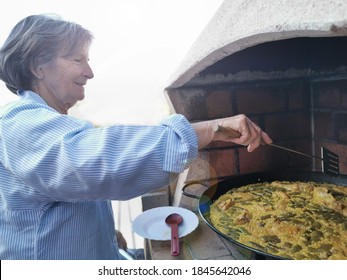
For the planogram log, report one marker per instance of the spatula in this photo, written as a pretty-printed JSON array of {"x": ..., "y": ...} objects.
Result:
[{"x": 330, "y": 160}]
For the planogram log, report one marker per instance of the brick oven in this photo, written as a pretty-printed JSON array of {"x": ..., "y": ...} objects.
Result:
[{"x": 283, "y": 64}]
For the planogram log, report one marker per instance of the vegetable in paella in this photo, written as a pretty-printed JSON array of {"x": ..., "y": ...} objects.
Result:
[{"x": 294, "y": 220}]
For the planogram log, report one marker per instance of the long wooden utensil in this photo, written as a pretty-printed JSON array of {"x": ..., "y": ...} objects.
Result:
[{"x": 330, "y": 160}]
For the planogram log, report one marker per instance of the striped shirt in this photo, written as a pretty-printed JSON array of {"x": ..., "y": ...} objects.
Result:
[{"x": 58, "y": 175}]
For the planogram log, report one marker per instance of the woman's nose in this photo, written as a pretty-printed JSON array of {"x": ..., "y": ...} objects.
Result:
[{"x": 88, "y": 72}]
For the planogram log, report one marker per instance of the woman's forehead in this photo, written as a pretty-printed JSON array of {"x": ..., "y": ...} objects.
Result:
[{"x": 68, "y": 49}]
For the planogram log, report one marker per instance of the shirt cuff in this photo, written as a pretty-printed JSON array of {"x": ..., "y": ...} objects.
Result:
[{"x": 182, "y": 144}]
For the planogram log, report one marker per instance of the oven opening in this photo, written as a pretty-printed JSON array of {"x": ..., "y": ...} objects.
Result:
[{"x": 295, "y": 89}]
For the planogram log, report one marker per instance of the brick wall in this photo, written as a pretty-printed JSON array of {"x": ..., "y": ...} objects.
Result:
[
  {"x": 330, "y": 118},
  {"x": 297, "y": 114}
]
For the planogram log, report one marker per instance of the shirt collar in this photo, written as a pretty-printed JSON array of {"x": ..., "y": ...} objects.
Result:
[{"x": 31, "y": 96}]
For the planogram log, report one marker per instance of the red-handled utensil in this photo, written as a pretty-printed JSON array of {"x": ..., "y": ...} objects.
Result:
[{"x": 173, "y": 220}]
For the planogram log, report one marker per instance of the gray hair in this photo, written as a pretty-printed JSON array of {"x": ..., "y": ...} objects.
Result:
[{"x": 36, "y": 40}]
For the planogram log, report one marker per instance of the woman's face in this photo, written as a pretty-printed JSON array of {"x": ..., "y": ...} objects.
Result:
[{"x": 62, "y": 83}]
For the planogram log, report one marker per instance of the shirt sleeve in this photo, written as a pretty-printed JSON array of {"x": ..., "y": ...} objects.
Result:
[{"x": 67, "y": 159}]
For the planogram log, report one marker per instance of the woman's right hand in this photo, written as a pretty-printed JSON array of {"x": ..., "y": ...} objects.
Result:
[{"x": 250, "y": 134}]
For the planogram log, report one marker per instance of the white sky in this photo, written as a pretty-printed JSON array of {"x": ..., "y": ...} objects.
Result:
[{"x": 138, "y": 44}]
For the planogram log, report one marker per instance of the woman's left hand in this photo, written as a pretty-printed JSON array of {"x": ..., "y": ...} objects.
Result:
[{"x": 122, "y": 243}]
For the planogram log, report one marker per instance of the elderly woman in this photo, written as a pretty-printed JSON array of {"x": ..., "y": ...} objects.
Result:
[{"x": 59, "y": 173}]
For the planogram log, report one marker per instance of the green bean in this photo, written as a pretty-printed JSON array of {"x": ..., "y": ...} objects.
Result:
[
  {"x": 336, "y": 194},
  {"x": 298, "y": 222},
  {"x": 295, "y": 194},
  {"x": 244, "y": 231},
  {"x": 296, "y": 248},
  {"x": 265, "y": 217},
  {"x": 300, "y": 257},
  {"x": 234, "y": 233},
  {"x": 297, "y": 204},
  {"x": 310, "y": 220},
  {"x": 254, "y": 244},
  {"x": 261, "y": 224},
  {"x": 285, "y": 217},
  {"x": 271, "y": 250},
  {"x": 316, "y": 225},
  {"x": 324, "y": 248},
  {"x": 317, "y": 235},
  {"x": 257, "y": 193},
  {"x": 225, "y": 219},
  {"x": 271, "y": 239},
  {"x": 268, "y": 191}
]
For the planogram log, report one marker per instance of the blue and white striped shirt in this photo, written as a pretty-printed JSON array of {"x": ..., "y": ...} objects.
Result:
[{"x": 58, "y": 175}]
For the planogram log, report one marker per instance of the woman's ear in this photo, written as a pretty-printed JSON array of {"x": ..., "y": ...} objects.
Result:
[{"x": 38, "y": 72}]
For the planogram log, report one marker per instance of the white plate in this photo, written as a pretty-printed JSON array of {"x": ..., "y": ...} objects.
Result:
[{"x": 151, "y": 223}]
